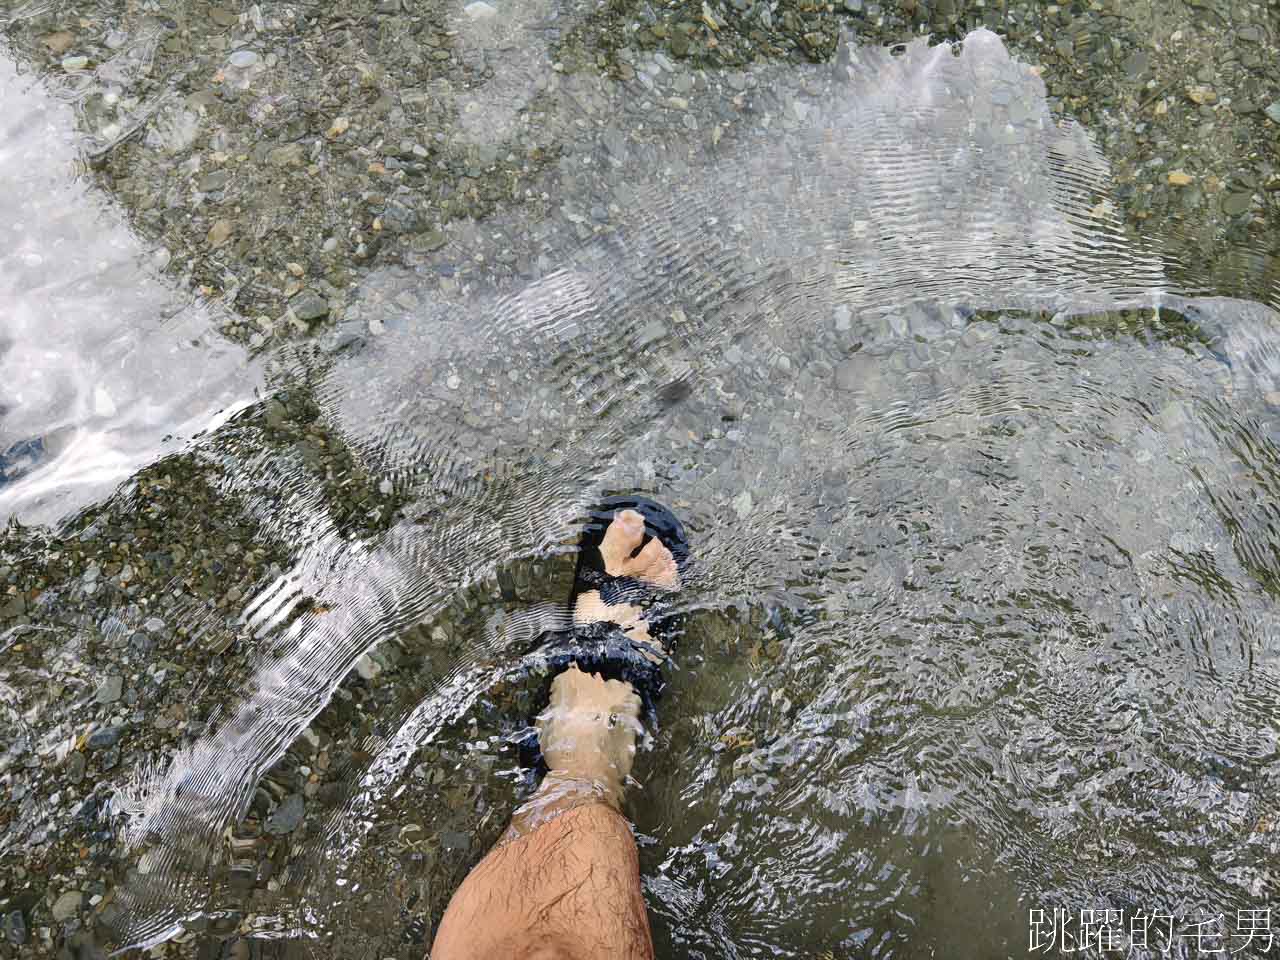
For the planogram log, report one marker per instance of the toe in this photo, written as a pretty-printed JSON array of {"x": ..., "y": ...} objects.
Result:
[
  {"x": 655, "y": 565},
  {"x": 620, "y": 540}
]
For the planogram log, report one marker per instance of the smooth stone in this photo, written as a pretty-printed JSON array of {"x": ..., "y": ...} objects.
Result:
[
  {"x": 67, "y": 905},
  {"x": 309, "y": 305},
  {"x": 480, "y": 10},
  {"x": 110, "y": 689},
  {"x": 243, "y": 58},
  {"x": 1234, "y": 204},
  {"x": 106, "y": 737},
  {"x": 288, "y": 816}
]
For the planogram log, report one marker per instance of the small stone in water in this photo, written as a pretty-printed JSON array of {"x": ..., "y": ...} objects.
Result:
[
  {"x": 288, "y": 816},
  {"x": 59, "y": 42},
  {"x": 243, "y": 58},
  {"x": 72, "y": 64},
  {"x": 106, "y": 737},
  {"x": 336, "y": 129},
  {"x": 67, "y": 905},
  {"x": 1180, "y": 178},
  {"x": 110, "y": 689},
  {"x": 219, "y": 233},
  {"x": 1273, "y": 112},
  {"x": 742, "y": 504},
  {"x": 480, "y": 10},
  {"x": 309, "y": 305}
]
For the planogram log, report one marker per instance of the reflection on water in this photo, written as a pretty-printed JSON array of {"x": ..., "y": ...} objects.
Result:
[
  {"x": 103, "y": 367},
  {"x": 986, "y": 569}
]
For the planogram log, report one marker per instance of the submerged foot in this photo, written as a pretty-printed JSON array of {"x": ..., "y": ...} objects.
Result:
[{"x": 588, "y": 731}]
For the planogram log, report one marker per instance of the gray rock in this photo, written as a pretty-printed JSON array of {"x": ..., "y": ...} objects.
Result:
[
  {"x": 455, "y": 840},
  {"x": 852, "y": 373},
  {"x": 110, "y": 689},
  {"x": 289, "y": 155},
  {"x": 1273, "y": 112},
  {"x": 215, "y": 181},
  {"x": 288, "y": 816},
  {"x": 15, "y": 928},
  {"x": 309, "y": 305},
  {"x": 106, "y": 737},
  {"x": 67, "y": 905}
]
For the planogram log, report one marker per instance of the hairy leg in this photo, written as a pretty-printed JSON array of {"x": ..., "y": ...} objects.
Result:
[
  {"x": 564, "y": 881},
  {"x": 570, "y": 890}
]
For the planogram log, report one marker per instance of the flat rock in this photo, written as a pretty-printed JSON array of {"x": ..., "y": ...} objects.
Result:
[
  {"x": 309, "y": 305},
  {"x": 288, "y": 816},
  {"x": 67, "y": 905},
  {"x": 110, "y": 689}
]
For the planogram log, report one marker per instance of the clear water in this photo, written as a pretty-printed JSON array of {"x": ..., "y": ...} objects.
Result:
[{"x": 982, "y": 503}]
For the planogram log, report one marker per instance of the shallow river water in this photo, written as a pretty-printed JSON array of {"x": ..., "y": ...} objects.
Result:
[{"x": 981, "y": 488}]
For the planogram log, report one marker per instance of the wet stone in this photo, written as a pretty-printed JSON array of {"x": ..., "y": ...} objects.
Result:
[
  {"x": 15, "y": 928},
  {"x": 309, "y": 305},
  {"x": 110, "y": 689},
  {"x": 288, "y": 816},
  {"x": 106, "y": 737},
  {"x": 289, "y": 155},
  {"x": 1234, "y": 204},
  {"x": 455, "y": 840},
  {"x": 67, "y": 905},
  {"x": 215, "y": 181}
]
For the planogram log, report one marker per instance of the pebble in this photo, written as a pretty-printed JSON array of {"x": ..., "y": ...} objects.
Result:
[
  {"x": 289, "y": 155},
  {"x": 742, "y": 504},
  {"x": 1180, "y": 178},
  {"x": 480, "y": 10},
  {"x": 243, "y": 58},
  {"x": 1273, "y": 112},
  {"x": 106, "y": 737},
  {"x": 110, "y": 689},
  {"x": 309, "y": 305},
  {"x": 851, "y": 373},
  {"x": 1234, "y": 204},
  {"x": 288, "y": 816},
  {"x": 367, "y": 667},
  {"x": 15, "y": 928},
  {"x": 67, "y": 905},
  {"x": 455, "y": 840},
  {"x": 339, "y": 126},
  {"x": 59, "y": 42},
  {"x": 219, "y": 233},
  {"x": 72, "y": 64}
]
